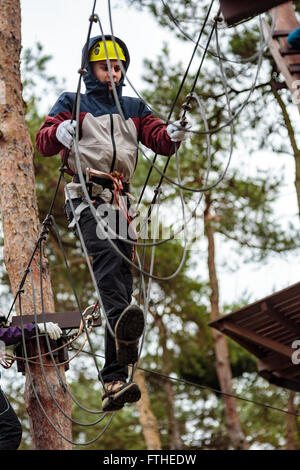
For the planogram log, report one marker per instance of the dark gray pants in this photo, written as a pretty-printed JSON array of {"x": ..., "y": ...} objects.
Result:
[
  {"x": 114, "y": 280},
  {"x": 10, "y": 426}
]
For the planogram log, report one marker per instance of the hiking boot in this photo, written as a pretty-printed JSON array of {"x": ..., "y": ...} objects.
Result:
[
  {"x": 117, "y": 393},
  {"x": 128, "y": 330}
]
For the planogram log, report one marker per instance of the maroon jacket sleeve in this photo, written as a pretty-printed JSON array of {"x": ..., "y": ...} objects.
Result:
[
  {"x": 153, "y": 134},
  {"x": 46, "y": 141},
  {"x": 14, "y": 334}
]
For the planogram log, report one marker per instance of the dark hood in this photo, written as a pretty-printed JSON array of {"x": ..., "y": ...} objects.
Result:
[{"x": 93, "y": 85}]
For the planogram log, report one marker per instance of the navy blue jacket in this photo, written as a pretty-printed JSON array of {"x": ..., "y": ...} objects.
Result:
[{"x": 107, "y": 142}]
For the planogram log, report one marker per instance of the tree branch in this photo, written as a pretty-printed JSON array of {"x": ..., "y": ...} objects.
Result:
[{"x": 286, "y": 118}]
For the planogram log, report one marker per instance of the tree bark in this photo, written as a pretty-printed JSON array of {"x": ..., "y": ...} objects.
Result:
[
  {"x": 293, "y": 141},
  {"x": 21, "y": 224},
  {"x": 290, "y": 424},
  {"x": 147, "y": 418},
  {"x": 176, "y": 442},
  {"x": 223, "y": 366}
]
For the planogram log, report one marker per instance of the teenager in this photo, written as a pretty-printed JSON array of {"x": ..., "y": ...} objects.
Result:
[{"x": 108, "y": 151}]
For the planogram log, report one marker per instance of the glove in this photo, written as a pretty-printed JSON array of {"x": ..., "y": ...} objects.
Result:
[
  {"x": 3, "y": 322},
  {"x": 177, "y": 132},
  {"x": 65, "y": 132},
  {"x": 52, "y": 329}
]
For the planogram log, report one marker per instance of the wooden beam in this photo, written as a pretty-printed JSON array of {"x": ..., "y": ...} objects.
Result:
[
  {"x": 294, "y": 68},
  {"x": 281, "y": 381},
  {"x": 282, "y": 64},
  {"x": 281, "y": 33},
  {"x": 65, "y": 320},
  {"x": 273, "y": 363},
  {"x": 288, "y": 51},
  {"x": 257, "y": 351},
  {"x": 289, "y": 372},
  {"x": 268, "y": 343},
  {"x": 267, "y": 308},
  {"x": 276, "y": 363},
  {"x": 235, "y": 11}
]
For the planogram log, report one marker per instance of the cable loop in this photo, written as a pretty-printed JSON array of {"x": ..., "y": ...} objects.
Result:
[{"x": 86, "y": 324}]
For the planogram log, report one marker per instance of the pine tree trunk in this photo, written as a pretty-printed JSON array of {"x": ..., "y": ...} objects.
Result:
[
  {"x": 176, "y": 442},
  {"x": 21, "y": 223},
  {"x": 147, "y": 419},
  {"x": 223, "y": 367},
  {"x": 297, "y": 179},
  {"x": 290, "y": 424}
]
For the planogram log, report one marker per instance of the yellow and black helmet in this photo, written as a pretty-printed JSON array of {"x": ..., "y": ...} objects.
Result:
[{"x": 114, "y": 51}]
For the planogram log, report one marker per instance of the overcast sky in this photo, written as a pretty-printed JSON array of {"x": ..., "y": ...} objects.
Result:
[{"x": 61, "y": 26}]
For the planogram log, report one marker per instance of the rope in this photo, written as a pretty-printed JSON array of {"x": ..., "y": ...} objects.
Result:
[
  {"x": 210, "y": 389},
  {"x": 218, "y": 55},
  {"x": 27, "y": 360},
  {"x": 49, "y": 221}
]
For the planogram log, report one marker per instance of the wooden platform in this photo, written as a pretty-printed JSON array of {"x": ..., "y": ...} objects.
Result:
[
  {"x": 235, "y": 11},
  {"x": 65, "y": 320},
  {"x": 267, "y": 328}
]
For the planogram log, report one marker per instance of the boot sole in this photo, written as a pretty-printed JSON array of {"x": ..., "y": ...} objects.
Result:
[
  {"x": 129, "y": 394},
  {"x": 110, "y": 405},
  {"x": 129, "y": 327}
]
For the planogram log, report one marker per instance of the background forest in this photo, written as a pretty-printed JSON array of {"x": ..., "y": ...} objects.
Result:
[{"x": 191, "y": 375}]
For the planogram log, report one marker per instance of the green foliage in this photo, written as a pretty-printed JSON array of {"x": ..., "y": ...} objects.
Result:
[
  {"x": 244, "y": 45},
  {"x": 242, "y": 207},
  {"x": 47, "y": 172},
  {"x": 124, "y": 430},
  {"x": 178, "y": 339}
]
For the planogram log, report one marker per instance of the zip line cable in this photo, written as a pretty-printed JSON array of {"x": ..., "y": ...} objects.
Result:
[
  {"x": 50, "y": 221},
  {"x": 62, "y": 383},
  {"x": 212, "y": 131},
  {"x": 234, "y": 116},
  {"x": 33, "y": 387},
  {"x": 214, "y": 54},
  {"x": 206, "y": 387},
  {"x": 93, "y": 210},
  {"x": 45, "y": 228},
  {"x": 173, "y": 106},
  {"x": 76, "y": 102},
  {"x": 81, "y": 178},
  {"x": 120, "y": 110}
]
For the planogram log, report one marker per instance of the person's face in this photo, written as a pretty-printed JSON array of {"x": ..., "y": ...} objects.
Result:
[{"x": 101, "y": 71}]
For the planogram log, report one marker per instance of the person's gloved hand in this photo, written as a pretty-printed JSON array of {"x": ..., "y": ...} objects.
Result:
[
  {"x": 52, "y": 329},
  {"x": 65, "y": 132},
  {"x": 177, "y": 132}
]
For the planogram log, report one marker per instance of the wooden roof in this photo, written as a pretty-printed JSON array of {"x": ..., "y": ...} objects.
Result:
[
  {"x": 267, "y": 328},
  {"x": 235, "y": 11}
]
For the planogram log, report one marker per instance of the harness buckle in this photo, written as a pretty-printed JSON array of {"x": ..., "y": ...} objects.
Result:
[{"x": 90, "y": 172}]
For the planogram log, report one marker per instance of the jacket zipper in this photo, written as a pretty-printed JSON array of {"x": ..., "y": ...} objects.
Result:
[{"x": 113, "y": 143}]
